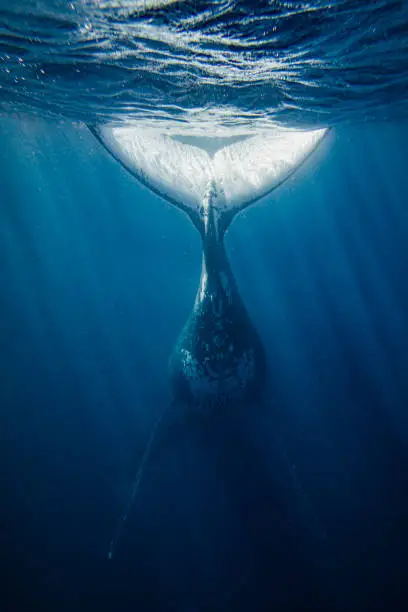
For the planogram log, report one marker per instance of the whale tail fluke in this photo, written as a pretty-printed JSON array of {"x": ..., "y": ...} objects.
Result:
[{"x": 237, "y": 170}]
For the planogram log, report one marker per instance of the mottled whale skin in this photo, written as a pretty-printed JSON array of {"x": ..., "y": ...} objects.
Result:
[{"x": 218, "y": 357}]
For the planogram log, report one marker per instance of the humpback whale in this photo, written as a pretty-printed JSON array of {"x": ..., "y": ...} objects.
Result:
[{"x": 218, "y": 359}]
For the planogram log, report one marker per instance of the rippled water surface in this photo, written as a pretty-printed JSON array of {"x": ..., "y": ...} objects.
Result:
[{"x": 232, "y": 63}]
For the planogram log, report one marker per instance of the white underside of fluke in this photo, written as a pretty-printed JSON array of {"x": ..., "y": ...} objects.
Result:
[{"x": 241, "y": 172}]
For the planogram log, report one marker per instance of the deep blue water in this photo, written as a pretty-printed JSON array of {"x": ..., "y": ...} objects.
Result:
[{"x": 300, "y": 504}]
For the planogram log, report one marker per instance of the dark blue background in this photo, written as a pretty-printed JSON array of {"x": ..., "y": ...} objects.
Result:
[{"x": 298, "y": 505}]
